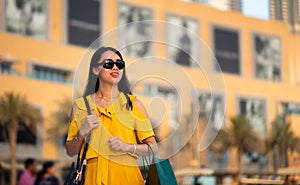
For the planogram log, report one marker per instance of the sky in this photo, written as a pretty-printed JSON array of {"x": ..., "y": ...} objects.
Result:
[
  {"x": 253, "y": 8},
  {"x": 256, "y": 8}
]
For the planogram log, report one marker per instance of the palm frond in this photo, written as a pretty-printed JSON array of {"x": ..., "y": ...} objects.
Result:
[
  {"x": 221, "y": 143},
  {"x": 16, "y": 106},
  {"x": 242, "y": 134},
  {"x": 281, "y": 135}
]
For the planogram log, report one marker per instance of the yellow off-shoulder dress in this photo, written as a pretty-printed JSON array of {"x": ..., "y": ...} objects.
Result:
[{"x": 104, "y": 166}]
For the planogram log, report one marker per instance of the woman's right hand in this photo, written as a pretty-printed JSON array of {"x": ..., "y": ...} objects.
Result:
[{"x": 91, "y": 122}]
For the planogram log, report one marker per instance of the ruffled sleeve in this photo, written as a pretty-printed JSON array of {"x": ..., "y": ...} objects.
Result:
[
  {"x": 72, "y": 130},
  {"x": 143, "y": 125}
]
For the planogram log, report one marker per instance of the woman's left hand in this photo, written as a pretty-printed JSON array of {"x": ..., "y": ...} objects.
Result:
[{"x": 117, "y": 144}]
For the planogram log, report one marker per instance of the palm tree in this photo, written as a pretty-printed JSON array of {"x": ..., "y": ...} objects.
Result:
[
  {"x": 242, "y": 137},
  {"x": 281, "y": 137},
  {"x": 239, "y": 135},
  {"x": 14, "y": 109},
  {"x": 221, "y": 144}
]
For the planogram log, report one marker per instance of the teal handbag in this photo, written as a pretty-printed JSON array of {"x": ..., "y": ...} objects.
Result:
[{"x": 160, "y": 171}]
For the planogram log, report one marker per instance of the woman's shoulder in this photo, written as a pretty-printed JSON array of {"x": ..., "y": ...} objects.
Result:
[
  {"x": 80, "y": 102},
  {"x": 81, "y": 98},
  {"x": 51, "y": 180},
  {"x": 132, "y": 97},
  {"x": 137, "y": 103}
]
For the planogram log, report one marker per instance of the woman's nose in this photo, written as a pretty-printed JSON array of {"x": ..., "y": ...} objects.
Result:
[{"x": 115, "y": 67}]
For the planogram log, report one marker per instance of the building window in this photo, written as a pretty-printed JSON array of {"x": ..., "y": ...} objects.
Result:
[
  {"x": 3, "y": 133},
  {"x": 212, "y": 108},
  {"x": 25, "y": 134},
  {"x": 51, "y": 74},
  {"x": 28, "y": 17},
  {"x": 171, "y": 95},
  {"x": 135, "y": 30},
  {"x": 183, "y": 43},
  {"x": 255, "y": 112},
  {"x": 286, "y": 108},
  {"x": 83, "y": 28},
  {"x": 267, "y": 57},
  {"x": 5, "y": 67},
  {"x": 227, "y": 50}
]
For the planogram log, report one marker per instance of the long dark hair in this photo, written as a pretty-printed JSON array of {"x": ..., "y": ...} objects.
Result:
[
  {"x": 93, "y": 83},
  {"x": 41, "y": 174}
]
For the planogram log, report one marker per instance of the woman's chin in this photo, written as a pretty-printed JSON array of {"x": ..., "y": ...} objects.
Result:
[{"x": 114, "y": 82}]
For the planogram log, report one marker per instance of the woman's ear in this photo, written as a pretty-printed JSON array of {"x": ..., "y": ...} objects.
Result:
[{"x": 96, "y": 71}]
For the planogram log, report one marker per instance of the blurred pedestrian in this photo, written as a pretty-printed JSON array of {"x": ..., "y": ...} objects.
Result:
[
  {"x": 47, "y": 175},
  {"x": 27, "y": 176}
]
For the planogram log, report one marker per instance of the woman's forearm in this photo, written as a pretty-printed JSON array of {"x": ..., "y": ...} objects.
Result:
[
  {"x": 74, "y": 146},
  {"x": 142, "y": 149}
]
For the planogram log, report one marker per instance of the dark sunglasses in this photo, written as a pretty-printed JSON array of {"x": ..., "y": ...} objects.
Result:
[{"x": 109, "y": 63}]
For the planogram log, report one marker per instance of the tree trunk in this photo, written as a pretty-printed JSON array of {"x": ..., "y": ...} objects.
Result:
[
  {"x": 240, "y": 163},
  {"x": 282, "y": 156},
  {"x": 276, "y": 159},
  {"x": 12, "y": 143}
]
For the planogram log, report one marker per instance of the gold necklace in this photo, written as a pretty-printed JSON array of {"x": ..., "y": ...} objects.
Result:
[{"x": 106, "y": 100}]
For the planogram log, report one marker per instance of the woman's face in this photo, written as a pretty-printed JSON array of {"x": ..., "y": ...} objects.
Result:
[
  {"x": 51, "y": 170},
  {"x": 111, "y": 76}
]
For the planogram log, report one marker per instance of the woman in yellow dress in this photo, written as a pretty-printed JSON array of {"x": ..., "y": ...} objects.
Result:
[{"x": 118, "y": 123}]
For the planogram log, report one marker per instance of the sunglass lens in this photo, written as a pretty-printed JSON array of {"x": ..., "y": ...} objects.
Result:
[
  {"x": 108, "y": 64},
  {"x": 120, "y": 64}
]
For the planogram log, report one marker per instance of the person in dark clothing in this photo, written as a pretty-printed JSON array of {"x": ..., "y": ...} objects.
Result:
[{"x": 47, "y": 175}]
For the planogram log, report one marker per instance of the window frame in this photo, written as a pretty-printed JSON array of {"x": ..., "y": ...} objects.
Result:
[
  {"x": 65, "y": 22},
  {"x": 47, "y": 25},
  {"x": 31, "y": 65},
  {"x": 153, "y": 35},
  {"x": 231, "y": 28},
  {"x": 253, "y": 62},
  {"x": 198, "y": 33}
]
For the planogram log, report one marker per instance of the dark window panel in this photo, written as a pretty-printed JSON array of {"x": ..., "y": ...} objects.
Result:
[
  {"x": 24, "y": 135},
  {"x": 5, "y": 67},
  {"x": 83, "y": 22},
  {"x": 226, "y": 50}
]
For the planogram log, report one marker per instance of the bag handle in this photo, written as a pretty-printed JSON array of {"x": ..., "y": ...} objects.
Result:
[
  {"x": 147, "y": 163},
  {"x": 81, "y": 160},
  {"x": 87, "y": 105},
  {"x": 89, "y": 134}
]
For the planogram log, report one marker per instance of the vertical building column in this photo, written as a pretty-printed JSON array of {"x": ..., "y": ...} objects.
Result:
[
  {"x": 55, "y": 25},
  {"x": 109, "y": 7}
]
